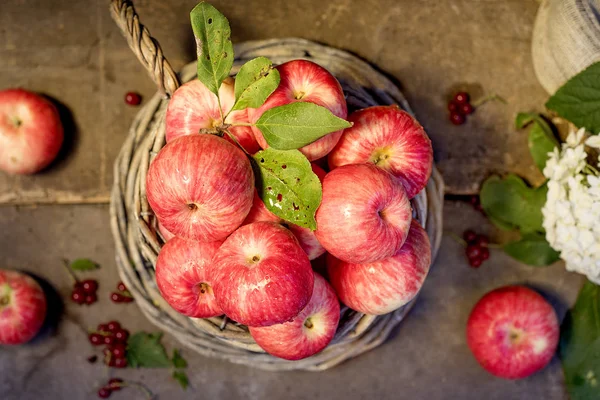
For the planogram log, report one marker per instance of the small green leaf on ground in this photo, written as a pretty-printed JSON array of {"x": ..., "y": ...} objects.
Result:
[
  {"x": 83, "y": 264},
  {"x": 145, "y": 350},
  {"x": 288, "y": 186},
  {"x": 255, "y": 82},
  {"x": 579, "y": 348},
  {"x": 213, "y": 45},
  {"x": 178, "y": 360},
  {"x": 578, "y": 100},
  {"x": 182, "y": 378},
  {"x": 532, "y": 249},
  {"x": 294, "y": 125},
  {"x": 512, "y": 202}
]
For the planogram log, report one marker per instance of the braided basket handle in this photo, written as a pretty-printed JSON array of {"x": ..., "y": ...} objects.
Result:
[{"x": 145, "y": 47}]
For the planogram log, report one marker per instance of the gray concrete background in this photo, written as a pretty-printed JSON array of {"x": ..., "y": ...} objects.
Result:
[{"x": 71, "y": 51}]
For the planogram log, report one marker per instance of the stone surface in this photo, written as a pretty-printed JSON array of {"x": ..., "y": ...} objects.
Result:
[
  {"x": 73, "y": 52},
  {"x": 427, "y": 358}
]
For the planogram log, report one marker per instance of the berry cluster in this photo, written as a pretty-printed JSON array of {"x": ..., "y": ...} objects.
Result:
[
  {"x": 133, "y": 98},
  {"x": 122, "y": 295},
  {"x": 84, "y": 292},
  {"x": 113, "y": 385},
  {"x": 114, "y": 338},
  {"x": 477, "y": 250},
  {"x": 459, "y": 107}
]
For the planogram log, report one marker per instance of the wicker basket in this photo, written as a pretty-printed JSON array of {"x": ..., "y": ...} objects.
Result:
[{"x": 134, "y": 226}]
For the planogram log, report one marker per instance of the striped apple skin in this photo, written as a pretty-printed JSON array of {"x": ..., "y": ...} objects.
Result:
[
  {"x": 200, "y": 187},
  {"x": 183, "y": 279},
  {"x": 513, "y": 332},
  {"x": 391, "y": 139},
  {"x": 309, "y": 332},
  {"x": 22, "y": 307},
  {"x": 383, "y": 286},
  {"x": 303, "y": 80},
  {"x": 261, "y": 275},
  {"x": 364, "y": 215}
]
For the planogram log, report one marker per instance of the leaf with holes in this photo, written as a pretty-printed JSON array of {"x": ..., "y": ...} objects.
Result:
[
  {"x": 295, "y": 125},
  {"x": 213, "y": 45},
  {"x": 83, "y": 264},
  {"x": 532, "y": 249},
  {"x": 288, "y": 186},
  {"x": 255, "y": 82}
]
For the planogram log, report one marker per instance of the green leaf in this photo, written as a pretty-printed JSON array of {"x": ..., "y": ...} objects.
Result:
[
  {"x": 511, "y": 202},
  {"x": 541, "y": 139},
  {"x": 501, "y": 224},
  {"x": 288, "y": 186},
  {"x": 579, "y": 348},
  {"x": 523, "y": 119},
  {"x": 145, "y": 350},
  {"x": 578, "y": 100},
  {"x": 255, "y": 82},
  {"x": 83, "y": 264},
  {"x": 532, "y": 249},
  {"x": 294, "y": 125},
  {"x": 182, "y": 378},
  {"x": 178, "y": 360},
  {"x": 213, "y": 45}
]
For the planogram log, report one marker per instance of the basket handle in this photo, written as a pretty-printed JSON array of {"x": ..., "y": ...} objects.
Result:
[{"x": 146, "y": 48}]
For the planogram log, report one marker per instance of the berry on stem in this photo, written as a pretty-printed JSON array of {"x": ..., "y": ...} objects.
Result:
[
  {"x": 113, "y": 326},
  {"x": 89, "y": 286},
  {"x": 121, "y": 335},
  {"x": 118, "y": 350},
  {"x": 473, "y": 251},
  {"x": 467, "y": 108},
  {"x": 90, "y": 298},
  {"x": 103, "y": 328},
  {"x": 453, "y": 106},
  {"x": 485, "y": 253},
  {"x": 469, "y": 236},
  {"x": 133, "y": 99},
  {"x": 96, "y": 339},
  {"x": 475, "y": 262},
  {"x": 109, "y": 340},
  {"x": 78, "y": 296},
  {"x": 121, "y": 287},
  {"x": 120, "y": 362},
  {"x": 116, "y": 297},
  {"x": 461, "y": 97},
  {"x": 104, "y": 393},
  {"x": 482, "y": 241},
  {"x": 115, "y": 384},
  {"x": 457, "y": 118}
]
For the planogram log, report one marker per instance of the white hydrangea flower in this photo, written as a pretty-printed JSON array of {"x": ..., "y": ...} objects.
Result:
[{"x": 572, "y": 208}]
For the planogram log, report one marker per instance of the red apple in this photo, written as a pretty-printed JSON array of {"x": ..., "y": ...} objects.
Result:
[
  {"x": 22, "y": 307},
  {"x": 261, "y": 275},
  {"x": 200, "y": 187},
  {"x": 513, "y": 332},
  {"x": 31, "y": 133},
  {"x": 309, "y": 332},
  {"x": 183, "y": 279},
  {"x": 381, "y": 287},
  {"x": 391, "y": 139},
  {"x": 364, "y": 214},
  {"x": 193, "y": 107},
  {"x": 303, "y": 80}
]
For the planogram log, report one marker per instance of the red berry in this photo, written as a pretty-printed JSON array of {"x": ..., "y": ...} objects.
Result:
[
  {"x": 133, "y": 99},
  {"x": 78, "y": 296},
  {"x": 482, "y": 241},
  {"x": 469, "y": 236},
  {"x": 473, "y": 251},
  {"x": 104, "y": 393},
  {"x": 113, "y": 326},
  {"x": 457, "y": 118},
  {"x": 118, "y": 350},
  {"x": 90, "y": 298},
  {"x": 89, "y": 286},
  {"x": 116, "y": 297},
  {"x": 485, "y": 253},
  {"x": 453, "y": 106},
  {"x": 96, "y": 339},
  {"x": 92, "y": 359},
  {"x": 127, "y": 299},
  {"x": 461, "y": 97},
  {"x": 115, "y": 384},
  {"x": 120, "y": 362},
  {"x": 109, "y": 340},
  {"x": 475, "y": 262},
  {"x": 467, "y": 108},
  {"x": 121, "y": 335},
  {"x": 103, "y": 328},
  {"x": 121, "y": 287}
]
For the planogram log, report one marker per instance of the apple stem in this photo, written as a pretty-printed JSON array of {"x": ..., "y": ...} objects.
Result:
[
  {"x": 70, "y": 271},
  {"x": 4, "y": 301},
  {"x": 17, "y": 122}
]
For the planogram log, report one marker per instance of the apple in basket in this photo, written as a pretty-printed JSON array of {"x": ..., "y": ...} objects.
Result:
[
  {"x": 309, "y": 332},
  {"x": 200, "y": 187},
  {"x": 22, "y": 307},
  {"x": 31, "y": 133},
  {"x": 513, "y": 332},
  {"x": 383, "y": 286},
  {"x": 391, "y": 139},
  {"x": 303, "y": 80},
  {"x": 261, "y": 276},
  {"x": 364, "y": 215}
]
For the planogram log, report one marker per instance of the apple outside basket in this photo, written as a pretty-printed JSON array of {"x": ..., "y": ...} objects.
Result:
[{"x": 134, "y": 226}]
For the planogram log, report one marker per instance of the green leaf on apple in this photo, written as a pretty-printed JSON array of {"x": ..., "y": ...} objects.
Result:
[
  {"x": 181, "y": 378},
  {"x": 83, "y": 264},
  {"x": 532, "y": 249},
  {"x": 213, "y": 45},
  {"x": 255, "y": 81},
  {"x": 177, "y": 360},
  {"x": 145, "y": 350},
  {"x": 288, "y": 186},
  {"x": 541, "y": 138},
  {"x": 294, "y": 125},
  {"x": 578, "y": 100},
  {"x": 579, "y": 347},
  {"x": 511, "y": 202}
]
